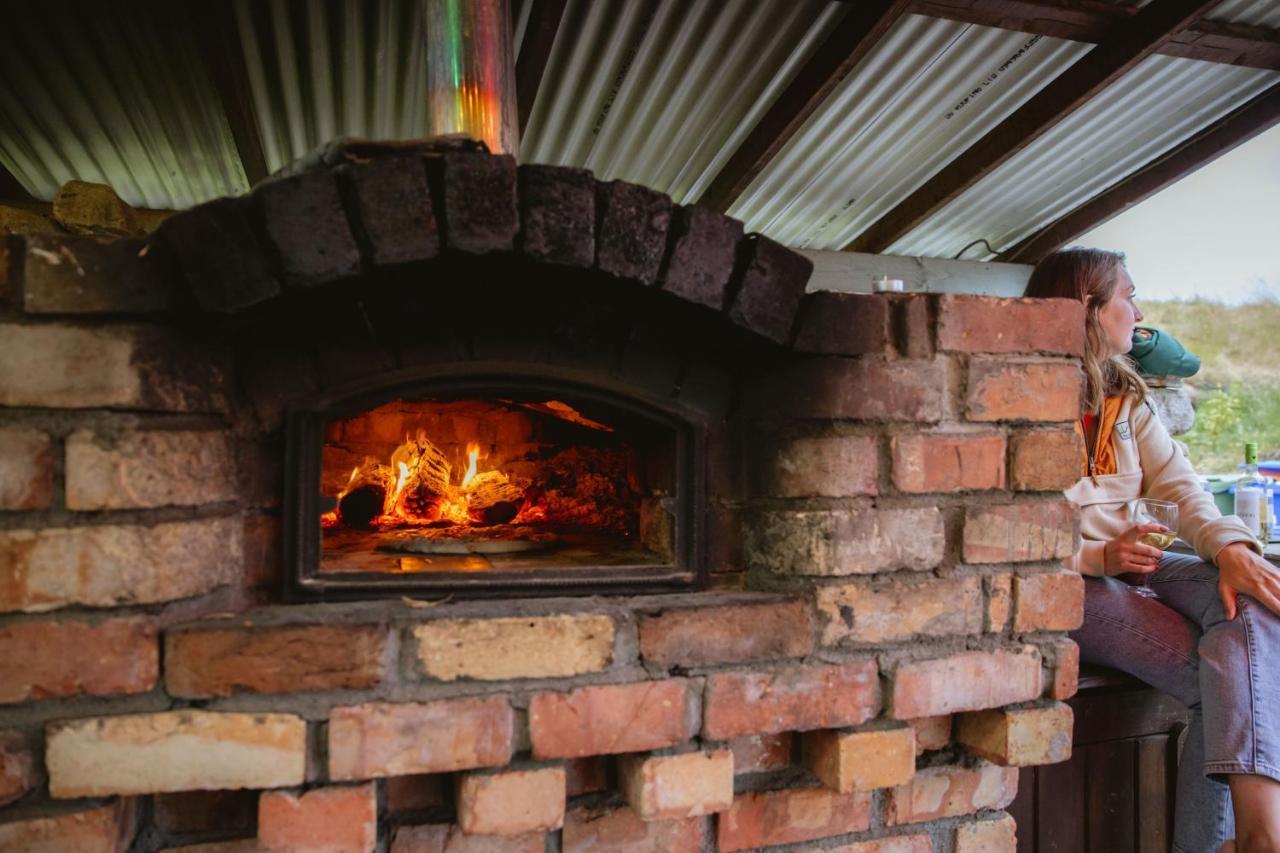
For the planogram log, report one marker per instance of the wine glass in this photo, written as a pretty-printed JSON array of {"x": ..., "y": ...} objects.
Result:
[{"x": 1150, "y": 511}]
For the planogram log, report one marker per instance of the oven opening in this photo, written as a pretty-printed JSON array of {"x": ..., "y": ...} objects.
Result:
[{"x": 531, "y": 486}]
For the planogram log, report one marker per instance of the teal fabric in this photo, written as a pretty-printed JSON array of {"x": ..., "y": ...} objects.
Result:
[{"x": 1158, "y": 353}]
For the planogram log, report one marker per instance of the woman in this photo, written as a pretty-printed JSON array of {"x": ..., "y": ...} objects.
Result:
[{"x": 1211, "y": 638}]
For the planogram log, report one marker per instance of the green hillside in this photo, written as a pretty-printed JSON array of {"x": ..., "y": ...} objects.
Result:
[{"x": 1237, "y": 390}]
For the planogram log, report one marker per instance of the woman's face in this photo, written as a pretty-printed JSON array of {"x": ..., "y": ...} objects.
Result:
[{"x": 1118, "y": 317}]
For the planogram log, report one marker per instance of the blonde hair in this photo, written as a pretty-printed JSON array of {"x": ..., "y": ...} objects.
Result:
[{"x": 1091, "y": 276}]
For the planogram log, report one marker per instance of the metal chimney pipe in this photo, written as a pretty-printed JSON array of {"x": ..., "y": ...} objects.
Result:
[{"x": 471, "y": 85}]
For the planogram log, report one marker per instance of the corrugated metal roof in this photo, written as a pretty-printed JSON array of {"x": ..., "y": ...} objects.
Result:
[
  {"x": 119, "y": 96},
  {"x": 927, "y": 92},
  {"x": 320, "y": 70},
  {"x": 1259, "y": 13},
  {"x": 662, "y": 92},
  {"x": 1149, "y": 111}
]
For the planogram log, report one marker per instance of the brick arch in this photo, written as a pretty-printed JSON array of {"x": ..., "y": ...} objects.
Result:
[{"x": 357, "y": 212}]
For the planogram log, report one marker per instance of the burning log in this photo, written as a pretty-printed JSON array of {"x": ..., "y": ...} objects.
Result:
[
  {"x": 364, "y": 499},
  {"x": 421, "y": 502},
  {"x": 422, "y": 487},
  {"x": 361, "y": 505},
  {"x": 492, "y": 498}
]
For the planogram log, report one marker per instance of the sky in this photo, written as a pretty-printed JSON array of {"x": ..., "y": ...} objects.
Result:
[{"x": 1213, "y": 234}]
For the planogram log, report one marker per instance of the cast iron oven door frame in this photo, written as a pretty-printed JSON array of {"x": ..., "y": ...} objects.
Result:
[{"x": 304, "y": 442}]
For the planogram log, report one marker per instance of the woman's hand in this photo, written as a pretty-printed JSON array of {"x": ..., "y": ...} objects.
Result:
[
  {"x": 1125, "y": 554},
  {"x": 1240, "y": 569}
]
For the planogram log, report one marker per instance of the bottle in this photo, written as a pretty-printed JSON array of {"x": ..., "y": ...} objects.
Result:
[
  {"x": 1268, "y": 509},
  {"x": 1251, "y": 496}
]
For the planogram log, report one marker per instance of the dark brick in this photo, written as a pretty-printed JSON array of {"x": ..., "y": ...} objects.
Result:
[
  {"x": 589, "y": 334},
  {"x": 913, "y": 324},
  {"x": 708, "y": 387},
  {"x": 843, "y": 324},
  {"x": 275, "y": 379},
  {"x": 773, "y": 282},
  {"x": 207, "y": 811},
  {"x": 342, "y": 363},
  {"x": 724, "y": 539},
  {"x": 415, "y": 792},
  {"x": 222, "y": 661},
  {"x": 728, "y": 633},
  {"x": 479, "y": 202},
  {"x": 306, "y": 224},
  {"x": 19, "y": 770},
  {"x": 10, "y": 267},
  {"x": 394, "y": 200},
  {"x": 651, "y": 360},
  {"x": 216, "y": 250},
  {"x": 866, "y": 388},
  {"x": 558, "y": 214},
  {"x": 634, "y": 221},
  {"x": 264, "y": 549},
  {"x": 702, "y": 255},
  {"x": 180, "y": 371},
  {"x": 90, "y": 275}
]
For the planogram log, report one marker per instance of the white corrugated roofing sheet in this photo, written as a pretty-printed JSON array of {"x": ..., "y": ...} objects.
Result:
[
  {"x": 322, "y": 70},
  {"x": 1259, "y": 13},
  {"x": 1146, "y": 113},
  {"x": 662, "y": 93},
  {"x": 117, "y": 98},
  {"x": 929, "y": 90}
]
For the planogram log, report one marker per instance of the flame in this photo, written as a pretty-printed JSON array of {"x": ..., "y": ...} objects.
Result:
[
  {"x": 417, "y": 488},
  {"x": 473, "y": 451},
  {"x": 400, "y": 481}
]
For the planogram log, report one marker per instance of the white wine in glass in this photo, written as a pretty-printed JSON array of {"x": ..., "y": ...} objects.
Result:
[
  {"x": 1158, "y": 540},
  {"x": 1149, "y": 511}
]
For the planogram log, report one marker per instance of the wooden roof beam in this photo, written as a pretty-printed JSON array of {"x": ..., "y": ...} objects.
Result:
[
  {"x": 535, "y": 51},
  {"x": 863, "y": 26},
  {"x": 1132, "y": 41},
  {"x": 1232, "y": 44},
  {"x": 1089, "y": 21},
  {"x": 1255, "y": 117}
]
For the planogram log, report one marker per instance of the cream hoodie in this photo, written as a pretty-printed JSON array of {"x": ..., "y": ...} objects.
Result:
[{"x": 1148, "y": 465}]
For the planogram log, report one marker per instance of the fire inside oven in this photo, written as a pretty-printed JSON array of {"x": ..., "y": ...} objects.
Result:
[{"x": 449, "y": 485}]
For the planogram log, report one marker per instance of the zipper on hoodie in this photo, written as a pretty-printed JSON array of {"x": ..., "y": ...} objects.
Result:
[{"x": 1091, "y": 447}]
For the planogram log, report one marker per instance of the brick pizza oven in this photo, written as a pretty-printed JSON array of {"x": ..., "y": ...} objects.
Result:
[{"x": 417, "y": 501}]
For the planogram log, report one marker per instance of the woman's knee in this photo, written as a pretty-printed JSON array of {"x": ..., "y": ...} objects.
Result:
[
  {"x": 1141, "y": 637},
  {"x": 1255, "y": 632}
]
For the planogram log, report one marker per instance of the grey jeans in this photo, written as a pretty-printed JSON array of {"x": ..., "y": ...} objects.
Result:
[{"x": 1226, "y": 673}]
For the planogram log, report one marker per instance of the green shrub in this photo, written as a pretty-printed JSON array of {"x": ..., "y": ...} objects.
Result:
[
  {"x": 1238, "y": 386},
  {"x": 1226, "y": 419}
]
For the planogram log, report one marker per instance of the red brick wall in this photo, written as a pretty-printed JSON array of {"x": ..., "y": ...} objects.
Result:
[{"x": 884, "y": 524}]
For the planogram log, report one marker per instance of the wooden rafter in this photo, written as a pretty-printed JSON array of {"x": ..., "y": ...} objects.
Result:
[
  {"x": 219, "y": 43},
  {"x": 535, "y": 50},
  {"x": 1233, "y": 44},
  {"x": 1255, "y": 117},
  {"x": 1090, "y": 21},
  {"x": 863, "y": 26},
  {"x": 1132, "y": 41}
]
